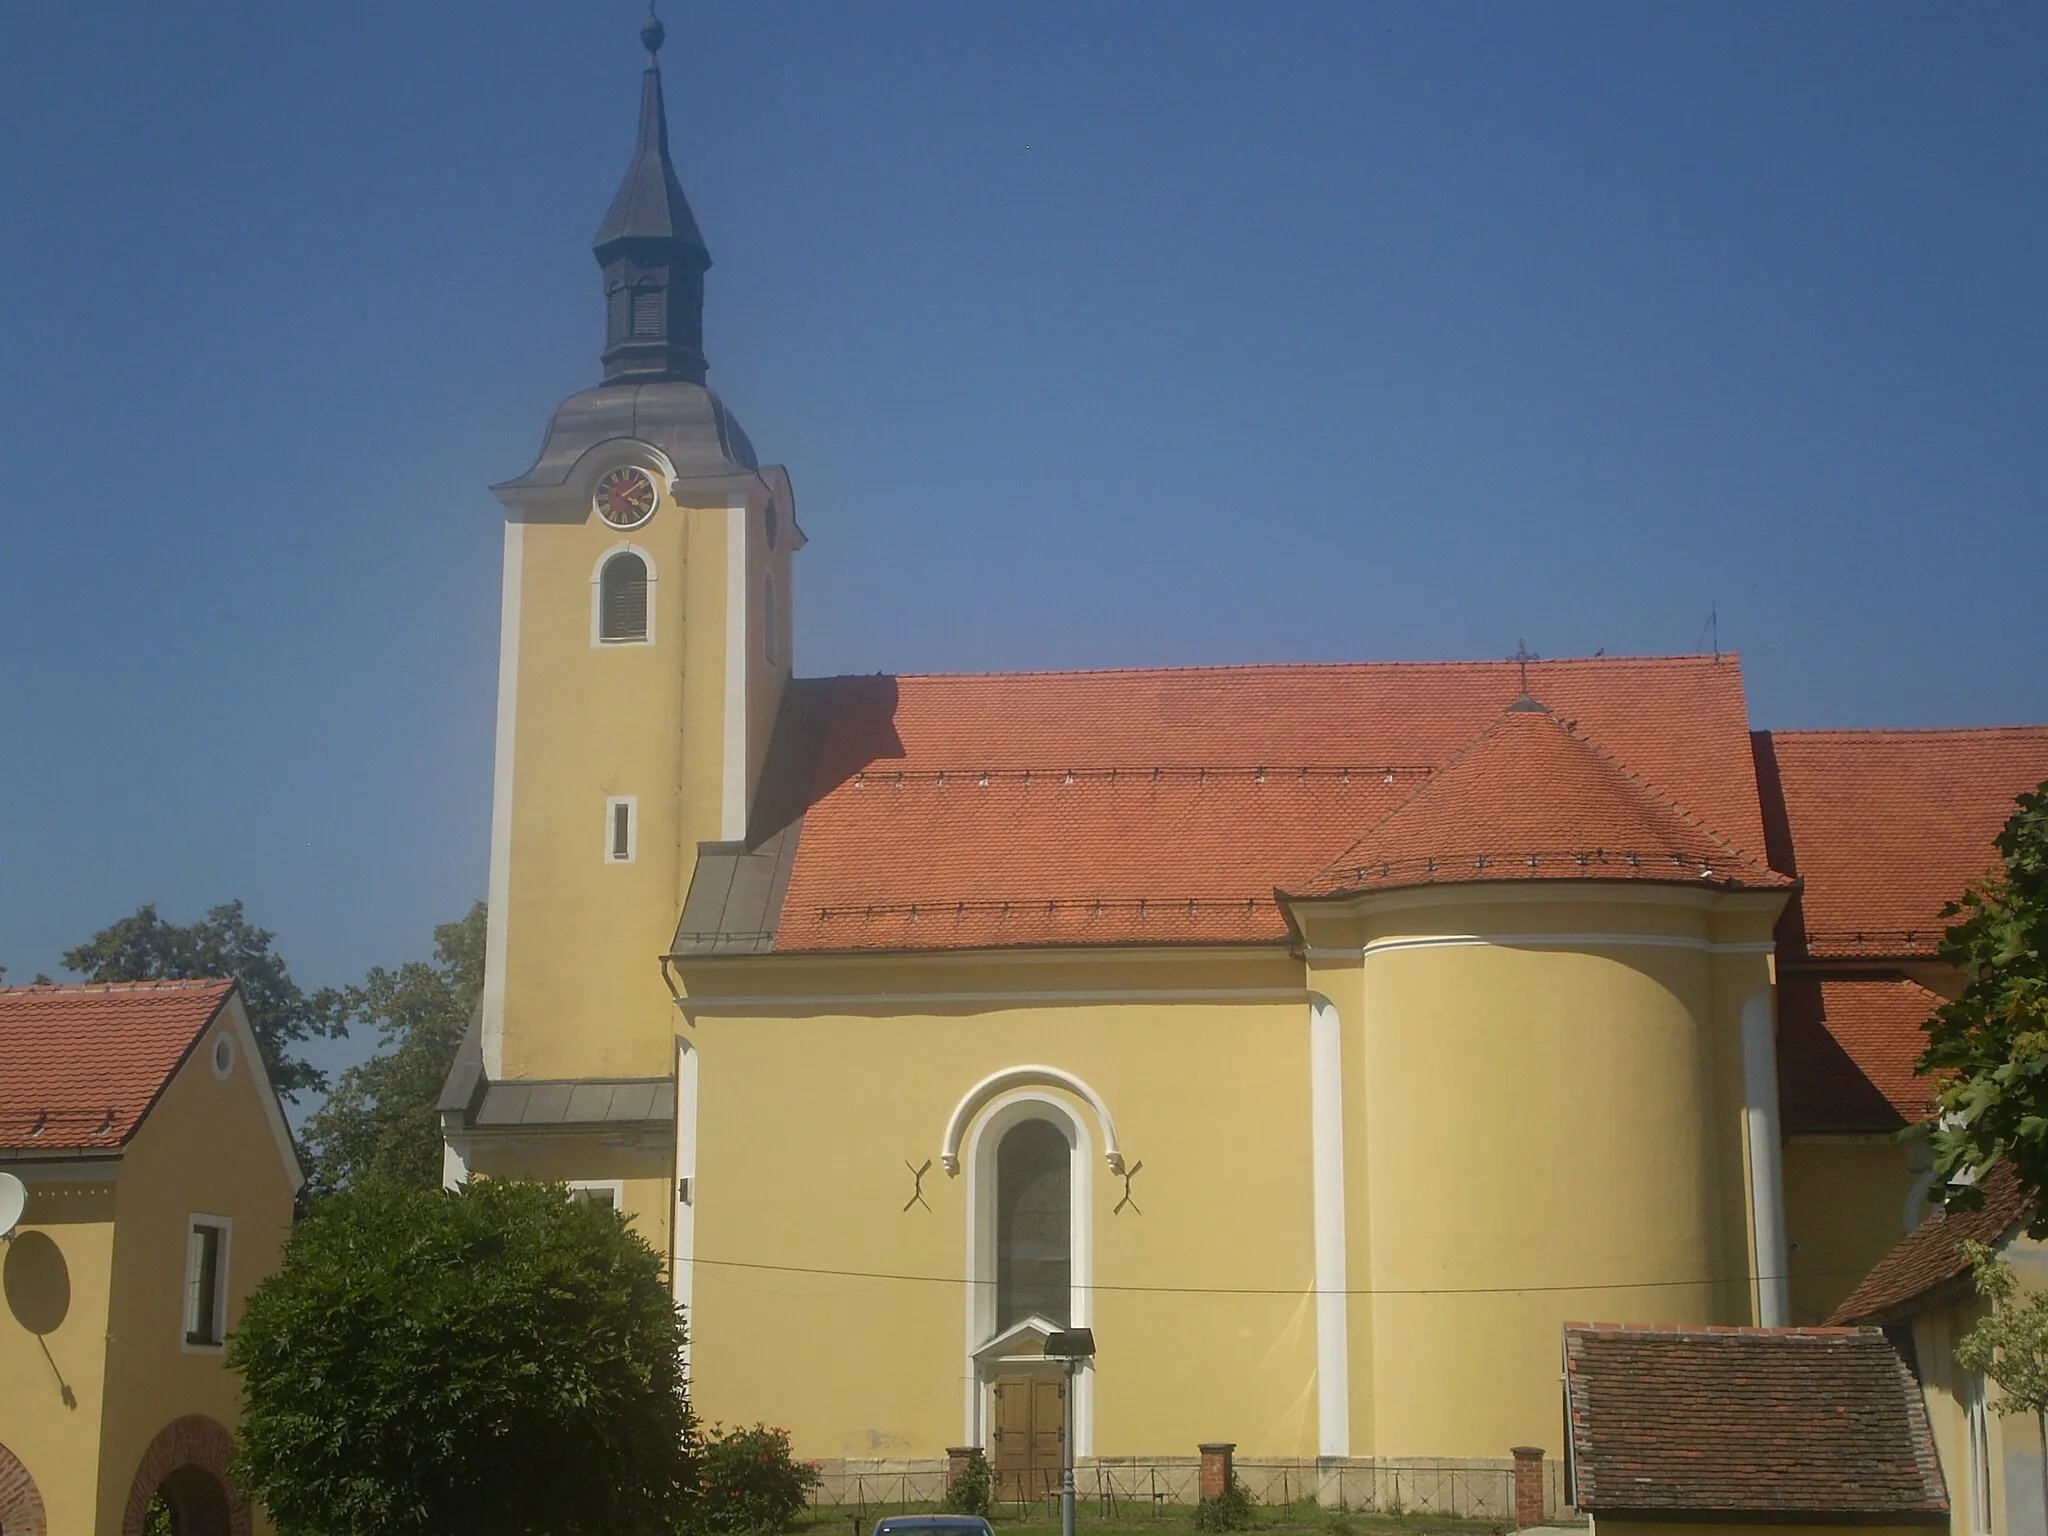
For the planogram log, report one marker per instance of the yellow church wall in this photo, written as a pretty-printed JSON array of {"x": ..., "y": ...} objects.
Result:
[
  {"x": 796, "y": 1171},
  {"x": 206, "y": 1148},
  {"x": 1578, "y": 1164},
  {"x": 53, "y": 1341},
  {"x": 1845, "y": 1206},
  {"x": 642, "y": 1173}
]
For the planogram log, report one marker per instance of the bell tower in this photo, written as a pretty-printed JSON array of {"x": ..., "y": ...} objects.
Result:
[{"x": 644, "y": 644}]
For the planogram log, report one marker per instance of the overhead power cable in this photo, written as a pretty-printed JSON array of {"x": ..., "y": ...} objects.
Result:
[{"x": 1296, "y": 1291}]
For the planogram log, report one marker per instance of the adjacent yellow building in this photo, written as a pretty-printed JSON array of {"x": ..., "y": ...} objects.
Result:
[
  {"x": 159, "y": 1179},
  {"x": 1322, "y": 1037}
]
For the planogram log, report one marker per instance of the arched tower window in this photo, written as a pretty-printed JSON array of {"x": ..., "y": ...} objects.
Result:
[
  {"x": 622, "y": 598},
  {"x": 1034, "y": 1224}
]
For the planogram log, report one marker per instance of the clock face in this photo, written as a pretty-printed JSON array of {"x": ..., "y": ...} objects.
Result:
[{"x": 625, "y": 497}]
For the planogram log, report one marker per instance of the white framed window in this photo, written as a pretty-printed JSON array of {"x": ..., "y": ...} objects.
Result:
[
  {"x": 609, "y": 1193},
  {"x": 769, "y": 620},
  {"x": 1977, "y": 1419},
  {"x": 621, "y": 829},
  {"x": 207, "y": 1241},
  {"x": 622, "y": 588}
]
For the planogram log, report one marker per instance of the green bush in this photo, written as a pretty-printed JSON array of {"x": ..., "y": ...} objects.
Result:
[
  {"x": 973, "y": 1492},
  {"x": 748, "y": 1482},
  {"x": 1230, "y": 1510},
  {"x": 499, "y": 1361}
]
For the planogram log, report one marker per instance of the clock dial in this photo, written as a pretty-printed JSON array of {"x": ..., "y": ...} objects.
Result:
[{"x": 625, "y": 497}]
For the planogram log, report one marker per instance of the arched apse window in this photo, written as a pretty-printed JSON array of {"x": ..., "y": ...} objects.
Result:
[
  {"x": 622, "y": 599},
  {"x": 1034, "y": 1224}
]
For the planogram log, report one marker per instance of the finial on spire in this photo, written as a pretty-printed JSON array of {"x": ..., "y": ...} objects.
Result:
[
  {"x": 1527, "y": 702},
  {"x": 652, "y": 34}
]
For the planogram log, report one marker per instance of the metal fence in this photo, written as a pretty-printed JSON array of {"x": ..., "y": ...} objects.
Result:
[{"x": 1481, "y": 1491}]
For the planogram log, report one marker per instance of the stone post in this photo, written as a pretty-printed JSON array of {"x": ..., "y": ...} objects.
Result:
[
  {"x": 1528, "y": 1486},
  {"x": 958, "y": 1459},
  {"x": 1216, "y": 1467}
]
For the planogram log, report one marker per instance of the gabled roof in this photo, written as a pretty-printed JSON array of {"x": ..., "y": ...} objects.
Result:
[
  {"x": 80, "y": 1065},
  {"x": 1166, "y": 807},
  {"x": 1927, "y": 1270},
  {"x": 1530, "y": 800},
  {"x": 1846, "y": 1048},
  {"x": 1791, "y": 1425},
  {"x": 1885, "y": 827}
]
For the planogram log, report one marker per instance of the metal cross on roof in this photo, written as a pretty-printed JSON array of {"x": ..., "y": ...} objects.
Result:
[{"x": 1524, "y": 656}]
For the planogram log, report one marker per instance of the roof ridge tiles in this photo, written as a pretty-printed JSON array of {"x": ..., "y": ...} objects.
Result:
[
  {"x": 116, "y": 988},
  {"x": 1903, "y": 732},
  {"x": 1725, "y": 658}
]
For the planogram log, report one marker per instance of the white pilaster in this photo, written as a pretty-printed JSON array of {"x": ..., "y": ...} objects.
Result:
[
  {"x": 682, "y": 1267},
  {"x": 500, "y": 893},
  {"x": 1326, "y": 1117},
  {"x": 732, "y": 818},
  {"x": 1766, "y": 1180}
]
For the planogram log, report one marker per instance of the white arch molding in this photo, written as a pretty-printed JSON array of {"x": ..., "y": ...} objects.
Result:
[
  {"x": 1004, "y": 1111},
  {"x": 978, "y": 1097}
]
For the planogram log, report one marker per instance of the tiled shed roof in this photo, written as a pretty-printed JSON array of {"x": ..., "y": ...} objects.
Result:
[
  {"x": 1745, "y": 1424},
  {"x": 81, "y": 1065},
  {"x": 1885, "y": 827},
  {"x": 1927, "y": 1270},
  {"x": 1167, "y": 806},
  {"x": 1530, "y": 800},
  {"x": 1846, "y": 1048}
]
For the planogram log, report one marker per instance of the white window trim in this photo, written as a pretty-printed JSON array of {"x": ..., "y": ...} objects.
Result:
[
  {"x": 597, "y": 639},
  {"x": 225, "y": 1038},
  {"x": 611, "y": 811},
  {"x": 226, "y": 1226},
  {"x": 1000, "y": 1116},
  {"x": 616, "y": 1188}
]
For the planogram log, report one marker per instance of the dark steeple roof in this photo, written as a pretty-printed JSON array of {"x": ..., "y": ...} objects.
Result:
[{"x": 652, "y": 255}]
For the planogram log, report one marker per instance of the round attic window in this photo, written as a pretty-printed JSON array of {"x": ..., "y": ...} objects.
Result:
[{"x": 223, "y": 1055}]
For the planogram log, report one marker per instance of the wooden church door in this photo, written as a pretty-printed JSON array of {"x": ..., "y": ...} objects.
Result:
[{"x": 1030, "y": 1424}]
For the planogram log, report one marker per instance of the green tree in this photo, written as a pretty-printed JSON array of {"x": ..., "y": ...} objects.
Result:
[
  {"x": 492, "y": 1361},
  {"x": 1990, "y": 1045},
  {"x": 143, "y": 947},
  {"x": 378, "y": 1124},
  {"x": 2009, "y": 1346}
]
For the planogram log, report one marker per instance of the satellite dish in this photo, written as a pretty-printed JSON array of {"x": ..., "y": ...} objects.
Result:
[{"x": 13, "y": 1199}]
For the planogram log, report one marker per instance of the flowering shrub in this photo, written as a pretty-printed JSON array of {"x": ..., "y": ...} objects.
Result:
[{"x": 748, "y": 1482}]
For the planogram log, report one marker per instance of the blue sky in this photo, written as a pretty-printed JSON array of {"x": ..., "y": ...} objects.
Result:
[{"x": 1091, "y": 335}]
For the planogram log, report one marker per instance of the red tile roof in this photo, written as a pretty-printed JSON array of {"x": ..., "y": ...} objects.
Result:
[
  {"x": 1846, "y": 1048},
  {"x": 1927, "y": 1270},
  {"x": 1167, "y": 806},
  {"x": 1884, "y": 827},
  {"x": 81, "y": 1065},
  {"x": 1531, "y": 800},
  {"x": 1792, "y": 1424}
]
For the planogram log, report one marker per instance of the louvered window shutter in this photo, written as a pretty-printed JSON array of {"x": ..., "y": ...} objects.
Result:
[{"x": 622, "y": 599}]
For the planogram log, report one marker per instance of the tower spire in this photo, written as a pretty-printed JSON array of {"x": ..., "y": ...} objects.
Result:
[{"x": 651, "y": 253}]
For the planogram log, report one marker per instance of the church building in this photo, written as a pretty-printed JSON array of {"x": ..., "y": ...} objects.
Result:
[{"x": 1323, "y": 1037}]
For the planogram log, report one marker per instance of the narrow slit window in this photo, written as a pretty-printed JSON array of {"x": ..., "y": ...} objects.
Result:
[
  {"x": 620, "y": 833},
  {"x": 622, "y": 599},
  {"x": 206, "y": 1264}
]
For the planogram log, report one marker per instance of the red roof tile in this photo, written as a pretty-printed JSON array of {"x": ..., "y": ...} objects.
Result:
[
  {"x": 1927, "y": 1270},
  {"x": 81, "y": 1065},
  {"x": 1846, "y": 1049},
  {"x": 1884, "y": 827},
  {"x": 1796, "y": 1424},
  {"x": 1166, "y": 806},
  {"x": 1530, "y": 800}
]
